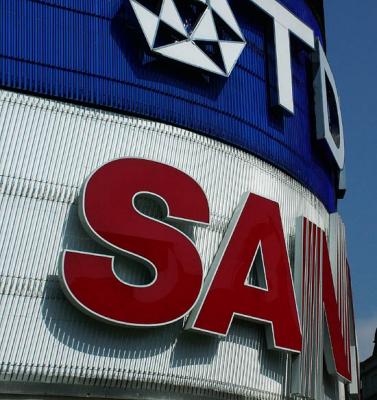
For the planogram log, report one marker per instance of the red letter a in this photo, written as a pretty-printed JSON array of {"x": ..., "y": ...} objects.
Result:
[{"x": 255, "y": 225}]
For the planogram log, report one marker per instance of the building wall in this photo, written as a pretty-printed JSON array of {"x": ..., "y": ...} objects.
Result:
[
  {"x": 48, "y": 148},
  {"x": 369, "y": 378},
  {"x": 79, "y": 87}
]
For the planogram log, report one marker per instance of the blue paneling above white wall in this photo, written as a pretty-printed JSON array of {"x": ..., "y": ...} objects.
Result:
[{"x": 93, "y": 52}]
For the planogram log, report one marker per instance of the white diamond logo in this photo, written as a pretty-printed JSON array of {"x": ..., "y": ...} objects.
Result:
[{"x": 200, "y": 33}]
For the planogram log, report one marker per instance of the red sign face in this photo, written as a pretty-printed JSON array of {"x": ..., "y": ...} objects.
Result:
[
  {"x": 340, "y": 352},
  {"x": 255, "y": 226},
  {"x": 314, "y": 275},
  {"x": 109, "y": 214}
]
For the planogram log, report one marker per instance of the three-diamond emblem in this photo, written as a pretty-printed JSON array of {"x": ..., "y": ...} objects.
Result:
[{"x": 200, "y": 33}]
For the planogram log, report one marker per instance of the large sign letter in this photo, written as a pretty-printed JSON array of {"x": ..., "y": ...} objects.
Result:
[
  {"x": 329, "y": 124},
  {"x": 109, "y": 214},
  {"x": 336, "y": 340},
  {"x": 323, "y": 303},
  {"x": 285, "y": 23},
  {"x": 256, "y": 226}
]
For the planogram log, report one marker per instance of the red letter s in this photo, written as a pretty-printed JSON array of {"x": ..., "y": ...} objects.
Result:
[{"x": 109, "y": 214}]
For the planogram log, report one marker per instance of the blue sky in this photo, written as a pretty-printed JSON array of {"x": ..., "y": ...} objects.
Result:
[{"x": 352, "y": 52}]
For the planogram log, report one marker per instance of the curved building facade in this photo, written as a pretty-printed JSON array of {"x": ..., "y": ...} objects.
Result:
[{"x": 170, "y": 173}]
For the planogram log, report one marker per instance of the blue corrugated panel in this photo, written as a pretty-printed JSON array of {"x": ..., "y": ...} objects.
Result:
[{"x": 92, "y": 51}]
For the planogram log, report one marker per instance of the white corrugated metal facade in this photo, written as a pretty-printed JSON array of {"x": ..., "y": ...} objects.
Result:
[{"x": 47, "y": 149}]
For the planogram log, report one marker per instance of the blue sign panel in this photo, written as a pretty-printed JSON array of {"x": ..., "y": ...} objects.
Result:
[{"x": 94, "y": 52}]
